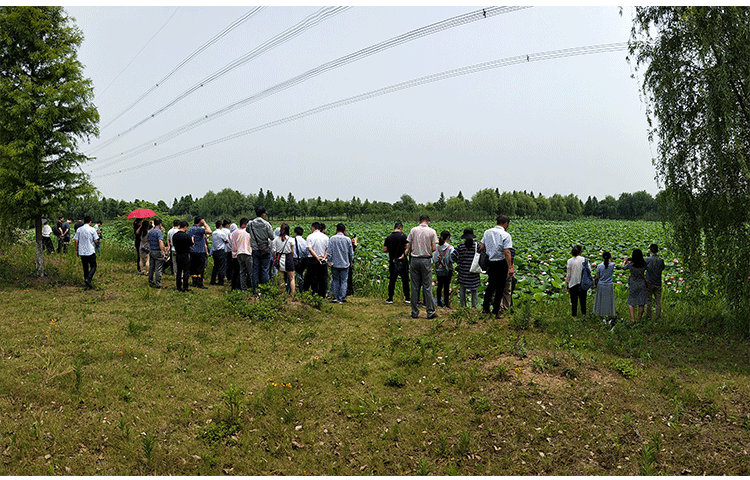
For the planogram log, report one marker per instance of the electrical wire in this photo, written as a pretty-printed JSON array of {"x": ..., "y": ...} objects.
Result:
[
  {"x": 187, "y": 59},
  {"x": 137, "y": 54},
  {"x": 452, "y": 22},
  {"x": 479, "y": 67},
  {"x": 309, "y": 22}
]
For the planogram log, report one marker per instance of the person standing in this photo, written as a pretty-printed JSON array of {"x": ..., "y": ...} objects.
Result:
[
  {"x": 421, "y": 243},
  {"x": 497, "y": 242},
  {"x": 64, "y": 239},
  {"x": 340, "y": 258},
  {"x": 573, "y": 275},
  {"x": 604, "y": 301},
  {"x": 654, "y": 268},
  {"x": 637, "y": 283},
  {"x": 464, "y": 256},
  {"x": 78, "y": 224},
  {"x": 317, "y": 266},
  {"x": 172, "y": 252},
  {"x": 85, "y": 239},
  {"x": 301, "y": 255},
  {"x": 46, "y": 240},
  {"x": 443, "y": 260},
  {"x": 198, "y": 252},
  {"x": 98, "y": 228},
  {"x": 398, "y": 265},
  {"x": 284, "y": 257},
  {"x": 243, "y": 251},
  {"x": 137, "y": 225},
  {"x": 510, "y": 284},
  {"x": 157, "y": 253},
  {"x": 261, "y": 236},
  {"x": 226, "y": 227},
  {"x": 219, "y": 242},
  {"x": 182, "y": 242}
]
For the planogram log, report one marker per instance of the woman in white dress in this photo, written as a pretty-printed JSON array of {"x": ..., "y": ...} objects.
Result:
[{"x": 284, "y": 261}]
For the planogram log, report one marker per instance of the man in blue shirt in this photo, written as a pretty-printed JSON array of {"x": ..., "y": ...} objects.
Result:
[
  {"x": 85, "y": 239},
  {"x": 198, "y": 252},
  {"x": 158, "y": 251},
  {"x": 340, "y": 257}
]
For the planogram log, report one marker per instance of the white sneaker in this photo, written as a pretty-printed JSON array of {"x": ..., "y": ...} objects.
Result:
[
  {"x": 389, "y": 302},
  {"x": 407, "y": 301}
]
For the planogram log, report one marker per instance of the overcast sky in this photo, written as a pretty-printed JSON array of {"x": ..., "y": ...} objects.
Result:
[{"x": 571, "y": 124}]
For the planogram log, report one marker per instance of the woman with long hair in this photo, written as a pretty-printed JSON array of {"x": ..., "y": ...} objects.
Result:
[
  {"x": 284, "y": 261},
  {"x": 573, "y": 275},
  {"x": 443, "y": 269},
  {"x": 604, "y": 302},
  {"x": 637, "y": 284},
  {"x": 464, "y": 255}
]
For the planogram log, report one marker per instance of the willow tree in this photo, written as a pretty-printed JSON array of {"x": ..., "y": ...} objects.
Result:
[
  {"x": 696, "y": 83},
  {"x": 46, "y": 108}
]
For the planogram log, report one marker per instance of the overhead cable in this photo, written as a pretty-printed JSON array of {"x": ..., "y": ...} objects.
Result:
[
  {"x": 339, "y": 62},
  {"x": 309, "y": 22},
  {"x": 187, "y": 59},
  {"x": 137, "y": 54},
  {"x": 479, "y": 67}
]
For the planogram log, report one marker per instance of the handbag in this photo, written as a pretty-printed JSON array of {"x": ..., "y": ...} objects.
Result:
[
  {"x": 586, "y": 280},
  {"x": 476, "y": 262}
]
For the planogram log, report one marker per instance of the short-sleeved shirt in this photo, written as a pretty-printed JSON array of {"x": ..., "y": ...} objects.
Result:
[
  {"x": 318, "y": 241},
  {"x": 86, "y": 236},
  {"x": 300, "y": 247},
  {"x": 219, "y": 240},
  {"x": 77, "y": 226},
  {"x": 654, "y": 267},
  {"x": 605, "y": 273},
  {"x": 496, "y": 240},
  {"x": 396, "y": 244},
  {"x": 154, "y": 235},
  {"x": 422, "y": 238},
  {"x": 198, "y": 234},
  {"x": 182, "y": 242},
  {"x": 170, "y": 235},
  {"x": 65, "y": 228}
]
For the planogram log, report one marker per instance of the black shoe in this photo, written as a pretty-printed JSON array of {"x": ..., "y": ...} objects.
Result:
[
  {"x": 415, "y": 316},
  {"x": 88, "y": 284},
  {"x": 202, "y": 287},
  {"x": 186, "y": 290},
  {"x": 430, "y": 317}
]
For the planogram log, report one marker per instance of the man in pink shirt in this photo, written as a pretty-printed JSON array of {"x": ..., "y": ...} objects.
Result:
[
  {"x": 241, "y": 249},
  {"x": 421, "y": 242}
]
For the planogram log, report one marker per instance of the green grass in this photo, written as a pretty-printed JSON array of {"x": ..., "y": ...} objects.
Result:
[{"x": 116, "y": 382}]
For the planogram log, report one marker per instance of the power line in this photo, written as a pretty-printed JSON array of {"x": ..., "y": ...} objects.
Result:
[
  {"x": 184, "y": 62},
  {"x": 139, "y": 52},
  {"x": 479, "y": 67},
  {"x": 309, "y": 22},
  {"x": 456, "y": 21}
]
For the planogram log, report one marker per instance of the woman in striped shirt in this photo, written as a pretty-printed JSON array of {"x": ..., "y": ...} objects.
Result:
[{"x": 463, "y": 255}]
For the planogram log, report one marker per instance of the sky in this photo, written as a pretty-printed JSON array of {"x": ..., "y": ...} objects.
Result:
[{"x": 561, "y": 123}]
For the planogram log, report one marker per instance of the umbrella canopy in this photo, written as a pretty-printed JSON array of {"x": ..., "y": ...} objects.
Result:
[{"x": 142, "y": 213}]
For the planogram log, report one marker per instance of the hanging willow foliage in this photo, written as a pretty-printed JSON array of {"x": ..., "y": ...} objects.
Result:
[{"x": 696, "y": 85}]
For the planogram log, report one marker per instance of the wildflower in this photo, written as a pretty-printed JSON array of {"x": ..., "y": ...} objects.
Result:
[
  {"x": 378, "y": 282},
  {"x": 619, "y": 282}
]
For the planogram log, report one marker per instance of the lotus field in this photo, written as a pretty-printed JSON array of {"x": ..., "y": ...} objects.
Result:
[{"x": 542, "y": 250}]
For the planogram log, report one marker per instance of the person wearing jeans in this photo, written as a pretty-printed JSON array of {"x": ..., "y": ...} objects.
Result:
[
  {"x": 261, "y": 236},
  {"x": 340, "y": 257}
]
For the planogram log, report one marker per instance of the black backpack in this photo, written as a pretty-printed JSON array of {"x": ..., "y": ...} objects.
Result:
[{"x": 441, "y": 266}]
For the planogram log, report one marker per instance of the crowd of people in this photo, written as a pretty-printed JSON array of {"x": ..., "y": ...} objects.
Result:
[{"x": 252, "y": 253}]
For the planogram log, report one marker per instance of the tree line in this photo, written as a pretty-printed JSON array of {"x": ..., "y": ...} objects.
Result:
[{"x": 484, "y": 204}]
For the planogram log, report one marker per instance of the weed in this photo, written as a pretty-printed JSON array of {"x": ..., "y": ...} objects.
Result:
[
  {"x": 570, "y": 373},
  {"x": 441, "y": 446},
  {"x": 126, "y": 395},
  {"x": 124, "y": 428},
  {"x": 148, "y": 442},
  {"x": 624, "y": 367},
  {"x": 134, "y": 328},
  {"x": 423, "y": 467},
  {"x": 395, "y": 379},
  {"x": 502, "y": 372},
  {"x": 463, "y": 447},
  {"x": 315, "y": 301},
  {"x": 521, "y": 319},
  {"x": 519, "y": 348},
  {"x": 648, "y": 456},
  {"x": 479, "y": 404},
  {"x": 232, "y": 398},
  {"x": 539, "y": 365},
  {"x": 452, "y": 470}
]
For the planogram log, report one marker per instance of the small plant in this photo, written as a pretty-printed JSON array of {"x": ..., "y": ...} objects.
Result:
[
  {"x": 463, "y": 447},
  {"x": 648, "y": 456},
  {"x": 451, "y": 469},
  {"x": 310, "y": 299},
  {"x": 78, "y": 371},
  {"x": 521, "y": 319},
  {"x": 126, "y": 395},
  {"x": 134, "y": 328},
  {"x": 479, "y": 404},
  {"x": 570, "y": 373},
  {"x": 503, "y": 372},
  {"x": 519, "y": 348},
  {"x": 441, "y": 446},
  {"x": 625, "y": 368},
  {"x": 232, "y": 400},
  {"x": 539, "y": 365},
  {"x": 423, "y": 467},
  {"x": 148, "y": 446},
  {"x": 395, "y": 379}
]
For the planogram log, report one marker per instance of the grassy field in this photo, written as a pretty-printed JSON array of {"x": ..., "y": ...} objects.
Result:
[{"x": 126, "y": 380}]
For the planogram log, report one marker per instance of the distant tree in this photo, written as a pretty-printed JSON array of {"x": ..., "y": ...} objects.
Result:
[
  {"x": 455, "y": 208},
  {"x": 260, "y": 201},
  {"x": 405, "y": 204},
  {"x": 573, "y": 206},
  {"x": 525, "y": 205},
  {"x": 46, "y": 107},
  {"x": 608, "y": 207},
  {"x": 543, "y": 206},
  {"x": 162, "y": 206},
  {"x": 292, "y": 206},
  {"x": 557, "y": 207},
  {"x": 507, "y": 204},
  {"x": 485, "y": 202},
  {"x": 589, "y": 208},
  {"x": 440, "y": 204}
]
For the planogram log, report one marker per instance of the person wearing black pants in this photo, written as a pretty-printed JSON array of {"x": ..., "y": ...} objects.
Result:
[
  {"x": 497, "y": 242},
  {"x": 398, "y": 265},
  {"x": 182, "y": 243},
  {"x": 573, "y": 275}
]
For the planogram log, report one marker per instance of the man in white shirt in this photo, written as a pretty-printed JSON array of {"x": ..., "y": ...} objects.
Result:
[
  {"x": 317, "y": 266},
  {"x": 85, "y": 239},
  {"x": 172, "y": 252},
  {"x": 497, "y": 242}
]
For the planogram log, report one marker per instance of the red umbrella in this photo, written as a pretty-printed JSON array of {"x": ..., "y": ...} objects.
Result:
[{"x": 142, "y": 213}]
